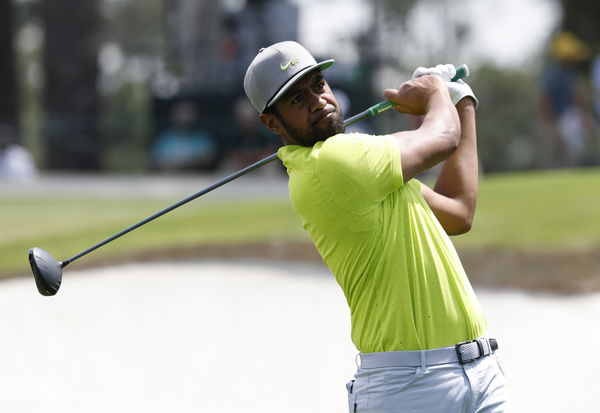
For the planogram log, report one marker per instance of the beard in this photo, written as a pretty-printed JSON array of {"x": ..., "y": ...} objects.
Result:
[{"x": 320, "y": 130}]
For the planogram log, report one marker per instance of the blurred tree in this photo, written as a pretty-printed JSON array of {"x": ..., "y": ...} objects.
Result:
[
  {"x": 134, "y": 64},
  {"x": 195, "y": 29},
  {"x": 388, "y": 25},
  {"x": 381, "y": 59},
  {"x": 507, "y": 119},
  {"x": 8, "y": 83},
  {"x": 506, "y": 122},
  {"x": 394, "y": 9},
  {"x": 403, "y": 42},
  {"x": 214, "y": 43},
  {"x": 70, "y": 94}
]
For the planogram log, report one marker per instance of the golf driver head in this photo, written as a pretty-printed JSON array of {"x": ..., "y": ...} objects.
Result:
[{"x": 46, "y": 270}]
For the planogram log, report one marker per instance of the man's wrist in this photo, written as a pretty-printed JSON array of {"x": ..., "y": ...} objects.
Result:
[
  {"x": 439, "y": 97},
  {"x": 466, "y": 103}
]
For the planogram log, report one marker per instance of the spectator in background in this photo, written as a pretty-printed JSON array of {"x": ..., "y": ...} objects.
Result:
[
  {"x": 183, "y": 146},
  {"x": 595, "y": 78},
  {"x": 252, "y": 141},
  {"x": 16, "y": 163},
  {"x": 562, "y": 103}
]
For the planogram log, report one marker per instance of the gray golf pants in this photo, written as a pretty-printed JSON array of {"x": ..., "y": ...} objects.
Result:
[{"x": 475, "y": 387}]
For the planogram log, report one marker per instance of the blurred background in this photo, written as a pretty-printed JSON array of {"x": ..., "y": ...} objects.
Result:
[
  {"x": 138, "y": 86},
  {"x": 113, "y": 109}
]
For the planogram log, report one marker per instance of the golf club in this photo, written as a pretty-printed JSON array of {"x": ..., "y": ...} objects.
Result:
[{"x": 47, "y": 271}]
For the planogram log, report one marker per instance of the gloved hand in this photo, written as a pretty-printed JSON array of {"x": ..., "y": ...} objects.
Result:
[
  {"x": 446, "y": 72},
  {"x": 458, "y": 89}
]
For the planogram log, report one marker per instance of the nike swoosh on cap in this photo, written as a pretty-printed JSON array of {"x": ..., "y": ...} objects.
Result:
[{"x": 292, "y": 62}]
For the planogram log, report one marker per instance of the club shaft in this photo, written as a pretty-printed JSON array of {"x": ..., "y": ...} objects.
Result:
[
  {"x": 160, "y": 213},
  {"x": 461, "y": 72},
  {"x": 206, "y": 190}
]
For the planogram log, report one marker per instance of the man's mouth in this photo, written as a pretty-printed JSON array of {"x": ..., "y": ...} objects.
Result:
[{"x": 326, "y": 113}]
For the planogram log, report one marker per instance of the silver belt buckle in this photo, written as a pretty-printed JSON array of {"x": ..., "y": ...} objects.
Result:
[
  {"x": 492, "y": 345},
  {"x": 461, "y": 360}
]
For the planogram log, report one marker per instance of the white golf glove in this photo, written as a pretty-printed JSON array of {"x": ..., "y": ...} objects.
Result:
[
  {"x": 458, "y": 89},
  {"x": 446, "y": 72}
]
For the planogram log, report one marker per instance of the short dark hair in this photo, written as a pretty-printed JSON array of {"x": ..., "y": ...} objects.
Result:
[{"x": 271, "y": 110}]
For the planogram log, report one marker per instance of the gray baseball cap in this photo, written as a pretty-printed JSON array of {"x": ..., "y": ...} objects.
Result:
[{"x": 275, "y": 69}]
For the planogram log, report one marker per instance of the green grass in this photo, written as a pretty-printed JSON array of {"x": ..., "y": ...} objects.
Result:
[
  {"x": 64, "y": 227},
  {"x": 548, "y": 210},
  {"x": 541, "y": 210}
]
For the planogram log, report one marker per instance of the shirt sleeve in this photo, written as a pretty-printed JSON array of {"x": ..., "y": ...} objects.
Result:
[{"x": 360, "y": 170}]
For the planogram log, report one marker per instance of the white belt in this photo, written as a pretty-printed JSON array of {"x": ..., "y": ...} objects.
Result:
[{"x": 460, "y": 353}]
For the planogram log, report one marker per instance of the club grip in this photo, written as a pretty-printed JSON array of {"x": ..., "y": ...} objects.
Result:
[{"x": 462, "y": 71}]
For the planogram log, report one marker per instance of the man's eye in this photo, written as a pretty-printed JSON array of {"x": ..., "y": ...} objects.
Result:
[
  {"x": 321, "y": 86},
  {"x": 297, "y": 99}
]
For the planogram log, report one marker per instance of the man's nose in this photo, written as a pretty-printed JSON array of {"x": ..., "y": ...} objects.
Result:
[{"x": 318, "y": 102}]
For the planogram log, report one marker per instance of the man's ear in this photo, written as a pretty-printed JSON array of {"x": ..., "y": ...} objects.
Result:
[{"x": 272, "y": 123}]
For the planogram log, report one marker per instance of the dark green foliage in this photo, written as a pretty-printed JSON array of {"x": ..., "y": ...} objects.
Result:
[
  {"x": 506, "y": 119},
  {"x": 71, "y": 99},
  {"x": 8, "y": 94}
]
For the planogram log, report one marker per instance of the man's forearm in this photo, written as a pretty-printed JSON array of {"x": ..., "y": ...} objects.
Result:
[
  {"x": 439, "y": 134},
  {"x": 458, "y": 178},
  {"x": 454, "y": 196}
]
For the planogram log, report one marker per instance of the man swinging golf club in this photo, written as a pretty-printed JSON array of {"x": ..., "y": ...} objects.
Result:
[{"x": 384, "y": 235}]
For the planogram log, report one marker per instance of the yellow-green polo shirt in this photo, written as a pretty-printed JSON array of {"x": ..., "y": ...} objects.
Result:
[{"x": 399, "y": 271}]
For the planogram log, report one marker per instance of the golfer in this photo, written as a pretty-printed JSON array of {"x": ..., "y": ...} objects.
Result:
[{"x": 384, "y": 235}]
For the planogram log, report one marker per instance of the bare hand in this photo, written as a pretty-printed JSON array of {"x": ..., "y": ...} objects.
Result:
[{"x": 415, "y": 95}]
